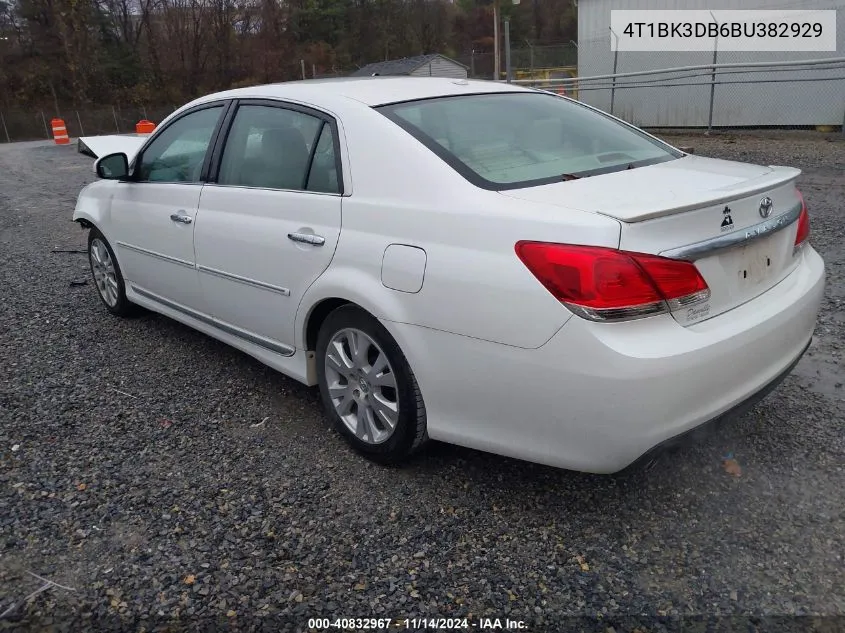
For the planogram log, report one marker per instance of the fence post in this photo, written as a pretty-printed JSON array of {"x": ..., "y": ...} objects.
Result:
[
  {"x": 497, "y": 64},
  {"x": 79, "y": 120},
  {"x": 302, "y": 64},
  {"x": 713, "y": 75},
  {"x": 116, "y": 124},
  {"x": 712, "y": 92},
  {"x": 615, "y": 64},
  {"x": 5, "y": 129},
  {"x": 472, "y": 63},
  {"x": 44, "y": 121},
  {"x": 144, "y": 111}
]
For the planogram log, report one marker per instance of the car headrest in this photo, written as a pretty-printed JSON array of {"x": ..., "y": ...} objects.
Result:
[
  {"x": 284, "y": 145},
  {"x": 543, "y": 135}
]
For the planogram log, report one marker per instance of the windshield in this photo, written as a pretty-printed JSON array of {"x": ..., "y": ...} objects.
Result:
[{"x": 518, "y": 139}]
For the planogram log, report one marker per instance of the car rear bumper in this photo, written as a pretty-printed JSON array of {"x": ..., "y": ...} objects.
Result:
[
  {"x": 710, "y": 427},
  {"x": 597, "y": 396}
]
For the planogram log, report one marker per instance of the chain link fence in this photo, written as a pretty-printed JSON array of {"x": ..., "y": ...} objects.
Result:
[
  {"x": 528, "y": 59},
  {"x": 31, "y": 125},
  {"x": 727, "y": 94}
]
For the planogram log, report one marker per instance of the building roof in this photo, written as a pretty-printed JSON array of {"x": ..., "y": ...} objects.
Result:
[{"x": 404, "y": 66}]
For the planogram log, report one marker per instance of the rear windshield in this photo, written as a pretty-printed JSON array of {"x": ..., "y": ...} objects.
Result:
[{"x": 519, "y": 139}]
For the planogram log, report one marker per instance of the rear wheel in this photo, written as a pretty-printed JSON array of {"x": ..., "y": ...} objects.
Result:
[
  {"x": 107, "y": 276},
  {"x": 368, "y": 388}
]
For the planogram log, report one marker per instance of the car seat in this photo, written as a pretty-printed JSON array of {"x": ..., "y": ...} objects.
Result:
[{"x": 281, "y": 162}]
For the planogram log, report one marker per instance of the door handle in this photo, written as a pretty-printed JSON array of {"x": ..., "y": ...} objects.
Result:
[
  {"x": 307, "y": 238},
  {"x": 182, "y": 219}
]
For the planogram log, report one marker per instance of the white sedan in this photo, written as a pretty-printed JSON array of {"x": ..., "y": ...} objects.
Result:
[{"x": 472, "y": 262}]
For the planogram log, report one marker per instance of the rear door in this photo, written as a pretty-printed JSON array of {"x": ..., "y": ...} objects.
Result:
[{"x": 269, "y": 219}]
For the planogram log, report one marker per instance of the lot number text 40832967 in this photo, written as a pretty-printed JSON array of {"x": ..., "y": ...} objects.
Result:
[{"x": 416, "y": 624}]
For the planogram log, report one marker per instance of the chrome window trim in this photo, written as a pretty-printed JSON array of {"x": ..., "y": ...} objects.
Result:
[
  {"x": 157, "y": 255},
  {"x": 244, "y": 280},
  {"x": 740, "y": 237},
  {"x": 191, "y": 183},
  {"x": 313, "y": 193},
  {"x": 261, "y": 341}
]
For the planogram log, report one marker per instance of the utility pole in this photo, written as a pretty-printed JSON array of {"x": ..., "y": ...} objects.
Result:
[
  {"x": 497, "y": 64},
  {"x": 508, "y": 50}
]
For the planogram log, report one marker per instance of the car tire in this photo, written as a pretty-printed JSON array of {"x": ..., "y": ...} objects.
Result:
[
  {"x": 356, "y": 389},
  {"x": 107, "y": 276}
]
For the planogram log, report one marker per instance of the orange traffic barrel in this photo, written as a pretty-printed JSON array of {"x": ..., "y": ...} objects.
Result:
[
  {"x": 59, "y": 132},
  {"x": 144, "y": 127}
]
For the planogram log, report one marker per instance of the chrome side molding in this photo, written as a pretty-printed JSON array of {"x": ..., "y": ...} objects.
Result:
[
  {"x": 273, "y": 346},
  {"x": 162, "y": 256},
  {"x": 263, "y": 285}
]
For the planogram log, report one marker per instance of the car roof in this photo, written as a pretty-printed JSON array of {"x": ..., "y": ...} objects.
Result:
[{"x": 371, "y": 91}]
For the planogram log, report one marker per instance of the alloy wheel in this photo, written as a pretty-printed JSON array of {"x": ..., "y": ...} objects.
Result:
[
  {"x": 362, "y": 385},
  {"x": 104, "y": 272}
]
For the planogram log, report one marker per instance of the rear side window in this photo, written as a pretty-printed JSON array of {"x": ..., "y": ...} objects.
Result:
[
  {"x": 277, "y": 148},
  {"x": 323, "y": 174},
  {"x": 510, "y": 140}
]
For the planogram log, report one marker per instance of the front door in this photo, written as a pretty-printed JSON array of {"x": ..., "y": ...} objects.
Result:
[
  {"x": 153, "y": 216},
  {"x": 270, "y": 223}
]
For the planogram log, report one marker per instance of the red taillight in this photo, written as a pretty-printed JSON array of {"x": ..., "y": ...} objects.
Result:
[
  {"x": 803, "y": 225},
  {"x": 606, "y": 284}
]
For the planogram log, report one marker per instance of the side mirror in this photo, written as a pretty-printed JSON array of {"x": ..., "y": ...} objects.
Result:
[{"x": 112, "y": 166}]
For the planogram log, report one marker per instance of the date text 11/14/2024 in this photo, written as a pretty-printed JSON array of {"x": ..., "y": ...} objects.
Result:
[{"x": 416, "y": 624}]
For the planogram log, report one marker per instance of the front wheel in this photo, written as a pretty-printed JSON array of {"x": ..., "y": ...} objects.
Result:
[
  {"x": 368, "y": 388},
  {"x": 107, "y": 276}
]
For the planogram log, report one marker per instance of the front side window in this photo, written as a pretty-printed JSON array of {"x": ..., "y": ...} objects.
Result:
[
  {"x": 277, "y": 148},
  {"x": 178, "y": 153},
  {"x": 509, "y": 140}
]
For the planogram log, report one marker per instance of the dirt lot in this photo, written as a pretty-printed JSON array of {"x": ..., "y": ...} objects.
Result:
[{"x": 132, "y": 472}]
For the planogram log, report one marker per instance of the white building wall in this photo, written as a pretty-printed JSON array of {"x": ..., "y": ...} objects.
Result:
[
  {"x": 785, "y": 103},
  {"x": 441, "y": 67}
]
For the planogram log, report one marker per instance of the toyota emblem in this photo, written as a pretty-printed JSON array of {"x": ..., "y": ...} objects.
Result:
[{"x": 766, "y": 206}]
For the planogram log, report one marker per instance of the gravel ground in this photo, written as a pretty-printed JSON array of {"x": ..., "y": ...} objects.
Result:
[{"x": 132, "y": 472}]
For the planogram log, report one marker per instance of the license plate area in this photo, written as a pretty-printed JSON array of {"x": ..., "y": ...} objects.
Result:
[
  {"x": 737, "y": 275},
  {"x": 755, "y": 264}
]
